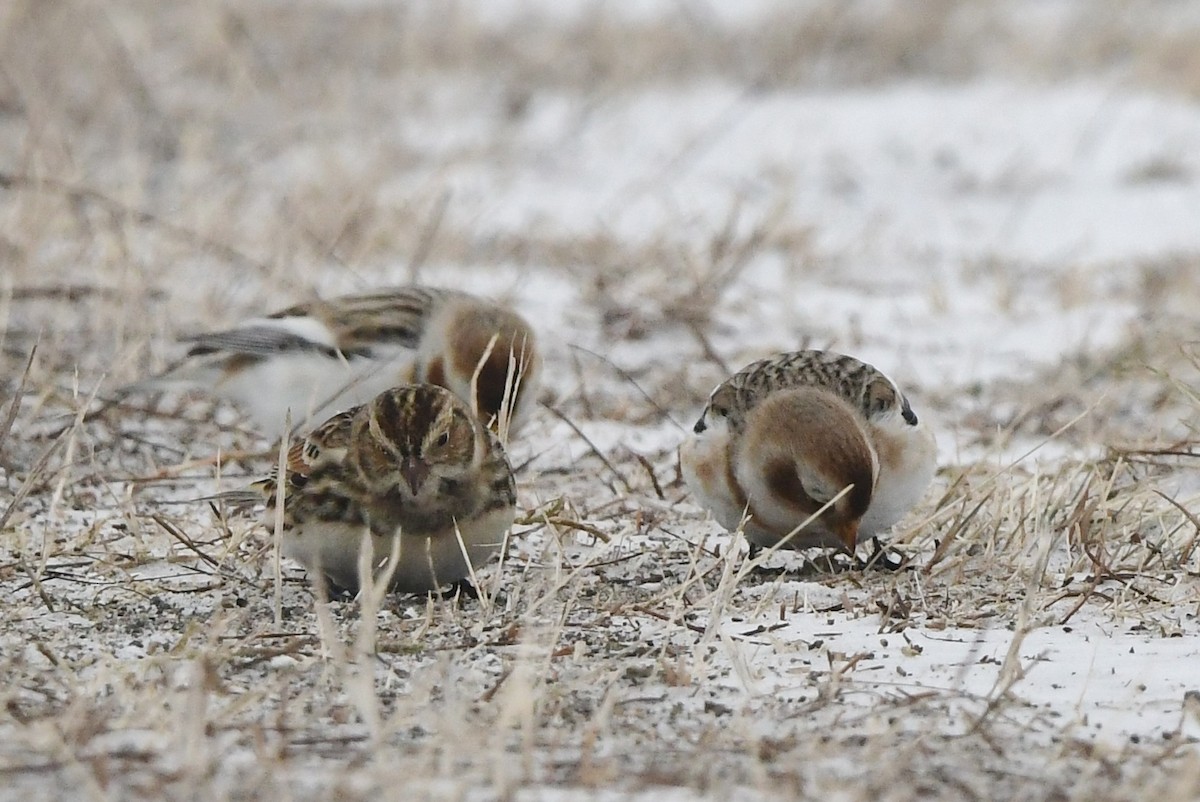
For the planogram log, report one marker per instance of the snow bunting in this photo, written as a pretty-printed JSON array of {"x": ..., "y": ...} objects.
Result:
[
  {"x": 414, "y": 464},
  {"x": 319, "y": 357},
  {"x": 786, "y": 435}
]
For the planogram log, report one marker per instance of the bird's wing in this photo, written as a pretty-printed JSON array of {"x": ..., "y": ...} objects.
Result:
[
  {"x": 324, "y": 445},
  {"x": 343, "y": 326},
  {"x": 265, "y": 337},
  {"x": 861, "y": 385},
  {"x": 360, "y": 323},
  {"x": 327, "y": 443}
]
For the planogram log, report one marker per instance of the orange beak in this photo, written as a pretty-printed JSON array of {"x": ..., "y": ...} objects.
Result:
[{"x": 847, "y": 532}]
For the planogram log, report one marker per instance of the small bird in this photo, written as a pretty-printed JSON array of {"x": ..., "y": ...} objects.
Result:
[
  {"x": 786, "y": 435},
  {"x": 413, "y": 464},
  {"x": 322, "y": 356}
]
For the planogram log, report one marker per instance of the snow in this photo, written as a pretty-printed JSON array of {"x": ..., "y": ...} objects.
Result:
[
  {"x": 1097, "y": 679},
  {"x": 1033, "y": 173}
]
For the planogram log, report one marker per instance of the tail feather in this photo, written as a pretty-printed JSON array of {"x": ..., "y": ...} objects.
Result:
[
  {"x": 188, "y": 371},
  {"x": 246, "y": 497}
]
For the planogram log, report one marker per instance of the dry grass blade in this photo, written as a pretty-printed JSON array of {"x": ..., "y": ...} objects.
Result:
[
  {"x": 1172, "y": 451},
  {"x": 645, "y": 463},
  {"x": 34, "y": 478},
  {"x": 177, "y": 533},
  {"x": 14, "y": 404},
  {"x": 64, "y": 292},
  {"x": 1011, "y": 668},
  {"x": 512, "y": 384},
  {"x": 628, "y": 377},
  {"x": 580, "y": 526},
  {"x": 707, "y": 348},
  {"x": 620, "y": 477},
  {"x": 474, "y": 384},
  {"x": 486, "y": 602},
  {"x": 281, "y": 474},
  {"x": 943, "y": 546},
  {"x": 1186, "y": 553}
]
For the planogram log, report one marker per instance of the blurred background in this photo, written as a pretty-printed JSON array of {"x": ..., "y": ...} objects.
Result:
[{"x": 620, "y": 166}]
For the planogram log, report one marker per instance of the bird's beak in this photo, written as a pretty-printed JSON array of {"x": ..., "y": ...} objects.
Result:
[
  {"x": 847, "y": 532},
  {"x": 415, "y": 472}
]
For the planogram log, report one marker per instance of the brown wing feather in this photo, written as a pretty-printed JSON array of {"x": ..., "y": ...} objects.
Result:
[
  {"x": 864, "y": 387},
  {"x": 325, "y": 443},
  {"x": 396, "y": 316}
]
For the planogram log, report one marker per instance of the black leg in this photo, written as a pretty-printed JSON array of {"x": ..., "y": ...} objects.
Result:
[
  {"x": 462, "y": 587},
  {"x": 882, "y": 559},
  {"x": 334, "y": 591}
]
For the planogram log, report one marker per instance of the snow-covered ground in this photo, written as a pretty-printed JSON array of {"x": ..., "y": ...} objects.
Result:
[{"x": 668, "y": 191}]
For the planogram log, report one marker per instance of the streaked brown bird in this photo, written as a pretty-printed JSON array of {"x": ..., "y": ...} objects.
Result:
[{"x": 413, "y": 465}]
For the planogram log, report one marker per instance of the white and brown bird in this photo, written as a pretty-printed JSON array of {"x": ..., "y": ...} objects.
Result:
[
  {"x": 786, "y": 435},
  {"x": 414, "y": 465},
  {"x": 322, "y": 356}
]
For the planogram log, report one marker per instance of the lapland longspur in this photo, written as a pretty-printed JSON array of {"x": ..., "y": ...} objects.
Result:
[
  {"x": 413, "y": 464},
  {"x": 322, "y": 356},
  {"x": 786, "y": 435}
]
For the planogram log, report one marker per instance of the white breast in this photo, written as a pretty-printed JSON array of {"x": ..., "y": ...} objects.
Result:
[
  {"x": 313, "y": 385},
  {"x": 425, "y": 563},
  {"x": 704, "y": 460},
  {"x": 907, "y": 461}
]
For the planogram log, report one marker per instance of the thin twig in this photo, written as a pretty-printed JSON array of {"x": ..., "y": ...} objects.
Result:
[
  {"x": 32, "y": 478},
  {"x": 628, "y": 377},
  {"x": 592, "y": 446},
  {"x": 706, "y": 348},
  {"x": 645, "y": 463},
  {"x": 14, "y": 406},
  {"x": 177, "y": 533}
]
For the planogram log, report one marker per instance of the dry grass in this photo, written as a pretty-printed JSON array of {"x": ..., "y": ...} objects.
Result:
[{"x": 624, "y": 643}]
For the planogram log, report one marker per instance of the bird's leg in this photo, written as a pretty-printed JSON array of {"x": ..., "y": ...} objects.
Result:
[
  {"x": 883, "y": 559},
  {"x": 462, "y": 587},
  {"x": 333, "y": 591}
]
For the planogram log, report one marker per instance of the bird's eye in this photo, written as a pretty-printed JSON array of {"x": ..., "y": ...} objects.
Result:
[{"x": 700, "y": 426}]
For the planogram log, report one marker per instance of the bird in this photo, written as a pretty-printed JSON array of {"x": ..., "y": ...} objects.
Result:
[
  {"x": 322, "y": 356},
  {"x": 803, "y": 434},
  {"x": 412, "y": 465}
]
